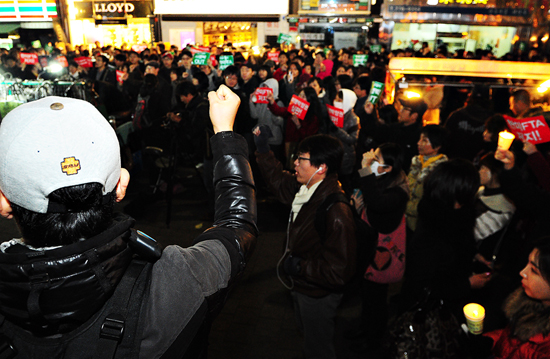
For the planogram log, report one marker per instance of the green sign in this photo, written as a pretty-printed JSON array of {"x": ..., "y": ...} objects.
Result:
[
  {"x": 360, "y": 60},
  {"x": 376, "y": 48},
  {"x": 284, "y": 38},
  {"x": 375, "y": 92},
  {"x": 201, "y": 58},
  {"x": 226, "y": 61}
]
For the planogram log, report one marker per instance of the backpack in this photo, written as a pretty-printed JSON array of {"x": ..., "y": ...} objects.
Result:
[
  {"x": 140, "y": 118},
  {"x": 365, "y": 235}
]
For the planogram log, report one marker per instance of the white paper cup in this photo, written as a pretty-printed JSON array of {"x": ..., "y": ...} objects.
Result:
[
  {"x": 475, "y": 314},
  {"x": 505, "y": 140}
]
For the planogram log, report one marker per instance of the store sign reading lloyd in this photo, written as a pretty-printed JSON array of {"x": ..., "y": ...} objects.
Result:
[{"x": 114, "y": 7}]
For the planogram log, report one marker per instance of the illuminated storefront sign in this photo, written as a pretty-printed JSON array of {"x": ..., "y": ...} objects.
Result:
[
  {"x": 27, "y": 10},
  {"x": 221, "y": 7},
  {"x": 90, "y": 9}
]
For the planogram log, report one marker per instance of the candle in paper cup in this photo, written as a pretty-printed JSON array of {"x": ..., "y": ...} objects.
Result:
[
  {"x": 475, "y": 314},
  {"x": 505, "y": 140}
]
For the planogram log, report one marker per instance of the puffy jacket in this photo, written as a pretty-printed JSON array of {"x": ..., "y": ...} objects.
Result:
[
  {"x": 55, "y": 291},
  {"x": 326, "y": 264}
]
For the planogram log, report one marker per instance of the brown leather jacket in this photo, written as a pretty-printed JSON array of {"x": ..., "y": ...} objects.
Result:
[{"x": 326, "y": 265}]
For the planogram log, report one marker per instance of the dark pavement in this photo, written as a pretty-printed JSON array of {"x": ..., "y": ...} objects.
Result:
[{"x": 258, "y": 319}]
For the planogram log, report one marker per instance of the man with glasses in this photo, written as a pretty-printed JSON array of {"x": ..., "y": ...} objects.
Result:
[{"x": 317, "y": 265}]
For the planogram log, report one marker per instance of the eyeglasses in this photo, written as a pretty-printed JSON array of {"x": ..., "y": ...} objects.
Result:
[
  {"x": 406, "y": 109},
  {"x": 303, "y": 159}
]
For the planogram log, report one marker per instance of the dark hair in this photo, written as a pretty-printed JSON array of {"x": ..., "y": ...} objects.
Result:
[
  {"x": 120, "y": 57},
  {"x": 522, "y": 96},
  {"x": 298, "y": 67},
  {"x": 346, "y": 82},
  {"x": 231, "y": 70},
  {"x": 185, "y": 53},
  {"x": 267, "y": 69},
  {"x": 323, "y": 149},
  {"x": 451, "y": 182},
  {"x": 494, "y": 125},
  {"x": 313, "y": 79},
  {"x": 132, "y": 52},
  {"x": 543, "y": 257},
  {"x": 389, "y": 114},
  {"x": 203, "y": 80},
  {"x": 153, "y": 57},
  {"x": 154, "y": 64},
  {"x": 185, "y": 88},
  {"x": 105, "y": 59},
  {"x": 495, "y": 166},
  {"x": 88, "y": 214},
  {"x": 364, "y": 83},
  {"x": 436, "y": 134},
  {"x": 322, "y": 53},
  {"x": 393, "y": 156},
  {"x": 329, "y": 84},
  {"x": 314, "y": 103}
]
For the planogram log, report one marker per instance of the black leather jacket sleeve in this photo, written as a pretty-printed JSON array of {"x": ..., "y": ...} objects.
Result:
[{"x": 235, "y": 212}]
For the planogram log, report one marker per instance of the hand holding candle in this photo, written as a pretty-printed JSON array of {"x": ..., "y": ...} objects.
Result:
[
  {"x": 475, "y": 314},
  {"x": 505, "y": 140}
]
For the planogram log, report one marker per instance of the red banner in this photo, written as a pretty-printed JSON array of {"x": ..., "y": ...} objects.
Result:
[
  {"x": 119, "y": 75},
  {"x": 213, "y": 60},
  {"x": 261, "y": 94},
  {"x": 62, "y": 61},
  {"x": 532, "y": 129},
  {"x": 273, "y": 56},
  {"x": 29, "y": 58},
  {"x": 298, "y": 106},
  {"x": 84, "y": 61},
  {"x": 336, "y": 116}
]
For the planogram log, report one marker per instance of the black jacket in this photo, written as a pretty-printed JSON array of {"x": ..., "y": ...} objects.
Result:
[{"x": 55, "y": 291}]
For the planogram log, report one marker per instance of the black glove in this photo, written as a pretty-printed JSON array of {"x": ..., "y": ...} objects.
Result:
[
  {"x": 291, "y": 265},
  {"x": 261, "y": 140}
]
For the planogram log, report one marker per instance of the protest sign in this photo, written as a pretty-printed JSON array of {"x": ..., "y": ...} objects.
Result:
[
  {"x": 376, "y": 48},
  {"x": 204, "y": 49},
  {"x": 201, "y": 58},
  {"x": 119, "y": 75},
  {"x": 532, "y": 129},
  {"x": 284, "y": 38},
  {"x": 62, "y": 61},
  {"x": 273, "y": 56},
  {"x": 375, "y": 92},
  {"x": 298, "y": 106},
  {"x": 261, "y": 94},
  {"x": 29, "y": 58},
  {"x": 226, "y": 61},
  {"x": 213, "y": 60},
  {"x": 84, "y": 61},
  {"x": 360, "y": 60},
  {"x": 336, "y": 116}
]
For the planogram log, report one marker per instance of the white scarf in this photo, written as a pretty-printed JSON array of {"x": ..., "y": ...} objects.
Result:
[{"x": 303, "y": 196}]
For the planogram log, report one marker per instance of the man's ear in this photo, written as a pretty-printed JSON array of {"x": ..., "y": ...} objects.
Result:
[
  {"x": 323, "y": 169},
  {"x": 122, "y": 184},
  {"x": 5, "y": 207},
  {"x": 414, "y": 116}
]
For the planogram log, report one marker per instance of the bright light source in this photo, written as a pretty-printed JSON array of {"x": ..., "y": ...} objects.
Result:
[
  {"x": 256, "y": 50},
  {"x": 544, "y": 38},
  {"x": 432, "y": 2},
  {"x": 533, "y": 38},
  {"x": 55, "y": 68},
  {"x": 544, "y": 86},
  {"x": 412, "y": 94}
]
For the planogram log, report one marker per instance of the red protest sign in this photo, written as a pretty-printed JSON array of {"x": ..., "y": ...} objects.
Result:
[
  {"x": 204, "y": 49},
  {"x": 336, "y": 116},
  {"x": 84, "y": 61},
  {"x": 273, "y": 56},
  {"x": 261, "y": 94},
  {"x": 298, "y": 106},
  {"x": 29, "y": 58},
  {"x": 532, "y": 129},
  {"x": 62, "y": 61},
  {"x": 194, "y": 50},
  {"x": 119, "y": 76},
  {"x": 213, "y": 60}
]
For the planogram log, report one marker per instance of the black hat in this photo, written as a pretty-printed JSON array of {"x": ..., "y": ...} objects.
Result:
[
  {"x": 250, "y": 65},
  {"x": 417, "y": 105}
]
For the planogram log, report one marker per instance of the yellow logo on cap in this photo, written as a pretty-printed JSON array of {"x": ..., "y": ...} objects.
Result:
[{"x": 70, "y": 166}]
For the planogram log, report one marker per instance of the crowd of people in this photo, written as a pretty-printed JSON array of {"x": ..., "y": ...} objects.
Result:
[{"x": 449, "y": 213}]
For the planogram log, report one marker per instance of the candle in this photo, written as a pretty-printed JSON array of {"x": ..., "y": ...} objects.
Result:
[
  {"x": 475, "y": 314},
  {"x": 505, "y": 140}
]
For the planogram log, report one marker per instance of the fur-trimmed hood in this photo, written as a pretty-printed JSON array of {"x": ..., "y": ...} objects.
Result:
[{"x": 528, "y": 317}]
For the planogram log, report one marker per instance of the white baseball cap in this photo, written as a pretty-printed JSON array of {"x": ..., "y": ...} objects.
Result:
[{"x": 52, "y": 143}]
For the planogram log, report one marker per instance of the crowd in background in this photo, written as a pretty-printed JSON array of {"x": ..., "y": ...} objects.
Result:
[{"x": 471, "y": 215}]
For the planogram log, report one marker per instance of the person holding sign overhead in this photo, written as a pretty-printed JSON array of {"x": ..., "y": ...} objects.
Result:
[{"x": 302, "y": 119}]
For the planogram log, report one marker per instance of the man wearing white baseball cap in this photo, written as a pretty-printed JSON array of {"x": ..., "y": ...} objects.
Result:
[{"x": 81, "y": 282}]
